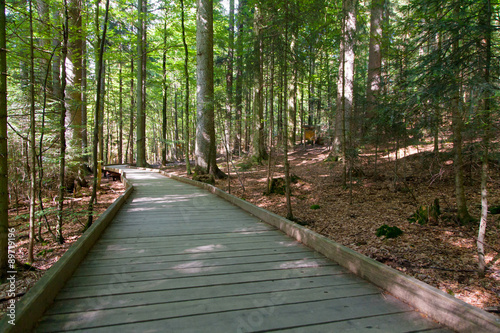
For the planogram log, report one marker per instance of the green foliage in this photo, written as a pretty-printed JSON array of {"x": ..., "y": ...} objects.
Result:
[
  {"x": 44, "y": 252},
  {"x": 315, "y": 207},
  {"x": 494, "y": 210},
  {"x": 426, "y": 214},
  {"x": 245, "y": 165},
  {"x": 388, "y": 232}
]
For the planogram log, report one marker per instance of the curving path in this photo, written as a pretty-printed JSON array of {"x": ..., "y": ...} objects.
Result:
[{"x": 179, "y": 259}]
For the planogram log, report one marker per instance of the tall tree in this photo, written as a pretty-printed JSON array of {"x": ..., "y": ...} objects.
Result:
[
  {"x": 186, "y": 101},
  {"x": 457, "y": 120},
  {"x": 374, "y": 78},
  {"x": 205, "y": 152},
  {"x": 141, "y": 83},
  {"x": 238, "y": 100},
  {"x": 485, "y": 67},
  {"x": 62, "y": 128},
  {"x": 32, "y": 140},
  {"x": 345, "y": 82},
  {"x": 75, "y": 75},
  {"x": 229, "y": 76},
  {"x": 4, "y": 183},
  {"x": 95, "y": 143},
  {"x": 258, "y": 146},
  {"x": 164, "y": 97}
]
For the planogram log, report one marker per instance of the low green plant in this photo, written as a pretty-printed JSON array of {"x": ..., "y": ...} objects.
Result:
[
  {"x": 315, "y": 207},
  {"x": 388, "y": 232},
  {"x": 426, "y": 214}
]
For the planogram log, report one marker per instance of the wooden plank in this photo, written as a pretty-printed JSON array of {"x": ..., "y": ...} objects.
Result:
[
  {"x": 179, "y": 257},
  {"x": 190, "y": 241},
  {"x": 161, "y": 311},
  {"x": 202, "y": 293},
  {"x": 192, "y": 249},
  {"x": 265, "y": 318},
  {"x": 186, "y": 270},
  {"x": 116, "y": 287},
  {"x": 197, "y": 264},
  {"x": 391, "y": 323}
]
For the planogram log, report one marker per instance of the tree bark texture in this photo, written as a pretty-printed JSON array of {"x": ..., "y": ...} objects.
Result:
[
  {"x": 141, "y": 84},
  {"x": 4, "y": 181},
  {"x": 205, "y": 127}
]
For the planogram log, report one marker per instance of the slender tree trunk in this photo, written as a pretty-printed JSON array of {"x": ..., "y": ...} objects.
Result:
[
  {"x": 374, "y": 79},
  {"x": 32, "y": 141},
  {"x": 164, "y": 104},
  {"x": 141, "y": 84},
  {"x": 176, "y": 129},
  {"x": 287, "y": 107},
  {"x": 485, "y": 48},
  {"x": 96, "y": 117},
  {"x": 186, "y": 101},
  {"x": 62, "y": 128},
  {"x": 229, "y": 76},
  {"x": 83, "y": 106},
  {"x": 258, "y": 149},
  {"x": 239, "y": 79},
  {"x": 131, "y": 131},
  {"x": 271, "y": 125},
  {"x": 120, "y": 113},
  {"x": 457, "y": 124},
  {"x": 4, "y": 182}
]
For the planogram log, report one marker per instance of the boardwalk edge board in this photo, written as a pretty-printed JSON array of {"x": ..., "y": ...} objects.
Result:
[
  {"x": 38, "y": 299},
  {"x": 432, "y": 302}
]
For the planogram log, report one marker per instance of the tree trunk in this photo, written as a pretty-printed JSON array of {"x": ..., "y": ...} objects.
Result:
[
  {"x": 258, "y": 149},
  {"x": 164, "y": 99},
  {"x": 120, "y": 112},
  {"x": 229, "y": 77},
  {"x": 100, "y": 73},
  {"x": 32, "y": 141},
  {"x": 345, "y": 84},
  {"x": 186, "y": 102},
  {"x": 131, "y": 131},
  {"x": 288, "y": 106},
  {"x": 75, "y": 121},
  {"x": 4, "y": 182},
  {"x": 457, "y": 124},
  {"x": 205, "y": 152},
  {"x": 239, "y": 79},
  {"x": 62, "y": 128},
  {"x": 373, "y": 84},
  {"x": 141, "y": 84},
  {"x": 485, "y": 62}
]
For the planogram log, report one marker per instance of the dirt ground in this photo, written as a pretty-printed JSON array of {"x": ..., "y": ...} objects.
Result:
[
  {"x": 48, "y": 251},
  {"x": 442, "y": 253}
]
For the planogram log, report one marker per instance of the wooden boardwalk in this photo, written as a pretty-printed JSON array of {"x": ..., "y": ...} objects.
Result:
[{"x": 179, "y": 259}]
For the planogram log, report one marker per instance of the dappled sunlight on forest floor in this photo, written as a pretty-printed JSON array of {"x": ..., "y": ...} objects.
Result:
[{"x": 442, "y": 254}]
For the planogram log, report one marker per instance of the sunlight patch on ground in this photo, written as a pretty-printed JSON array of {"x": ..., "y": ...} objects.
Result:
[
  {"x": 193, "y": 267},
  {"x": 462, "y": 243},
  {"x": 288, "y": 244},
  {"x": 205, "y": 248},
  {"x": 299, "y": 264}
]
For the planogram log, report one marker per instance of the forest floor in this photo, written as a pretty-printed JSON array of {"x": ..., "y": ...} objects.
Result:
[
  {"x": 442, "y": 253},
  {"x": 48, "y": 251}
]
